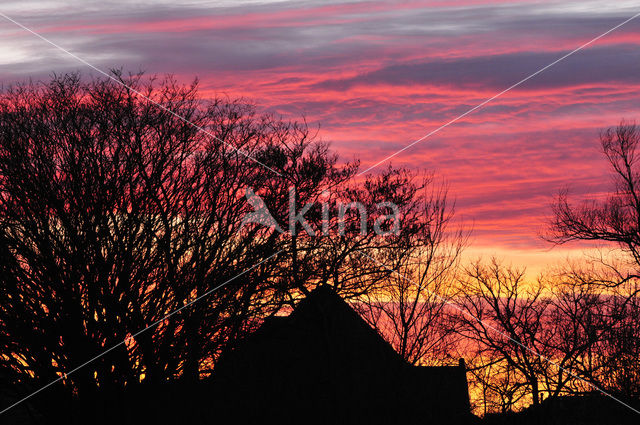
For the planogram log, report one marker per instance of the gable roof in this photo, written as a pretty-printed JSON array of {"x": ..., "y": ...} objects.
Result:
[{"x": 324, "y": 358}]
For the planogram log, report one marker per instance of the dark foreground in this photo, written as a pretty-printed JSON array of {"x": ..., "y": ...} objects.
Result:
[{"x": 178, "y": 403}]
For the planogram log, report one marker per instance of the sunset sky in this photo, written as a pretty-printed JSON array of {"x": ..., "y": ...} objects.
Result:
[{"x": 378, "y": 75}]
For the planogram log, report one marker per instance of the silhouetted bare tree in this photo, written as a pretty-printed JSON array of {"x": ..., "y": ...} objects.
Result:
[
  {"x": 497, "y": 385},
  {"x": 615, "y": 220},
  {"x": 115, "y": 212},
  {"x": 614, "y": 361},
  {"x": 502, "y": 318},
  {"x": 553, "y": 337},
  {"x": 576, "y": 321},
  {"x": 409, "y": 308}
]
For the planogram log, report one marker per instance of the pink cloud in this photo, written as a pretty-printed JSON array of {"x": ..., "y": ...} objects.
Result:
[{"x": 378, "y": 75}]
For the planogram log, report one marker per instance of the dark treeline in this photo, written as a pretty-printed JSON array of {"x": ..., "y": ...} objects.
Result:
[
  {"x": 546, "y": 339},
  {"x": 572, "y": 331},
  {"x": 524, "y": 342},
  {"x": 115, "y": 212}
]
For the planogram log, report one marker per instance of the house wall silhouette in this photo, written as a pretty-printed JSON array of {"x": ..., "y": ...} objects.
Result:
[{"x": 324, "y": 364}]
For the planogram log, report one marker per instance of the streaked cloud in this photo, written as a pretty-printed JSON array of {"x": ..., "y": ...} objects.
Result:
[{"x": 377, "y": 75}]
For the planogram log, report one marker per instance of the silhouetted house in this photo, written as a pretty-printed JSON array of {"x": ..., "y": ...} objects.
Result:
[{"x": 324, "y": 364}]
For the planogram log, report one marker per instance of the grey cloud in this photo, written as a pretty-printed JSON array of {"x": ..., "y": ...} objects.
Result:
[
  {"x": 322, "y": 45},
  {"x": 622, "y": 64}
]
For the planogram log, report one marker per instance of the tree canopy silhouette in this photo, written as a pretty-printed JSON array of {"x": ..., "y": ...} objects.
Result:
[
  {"x": 115, "y": 212},
  {"x": 613, "y": 220}
]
